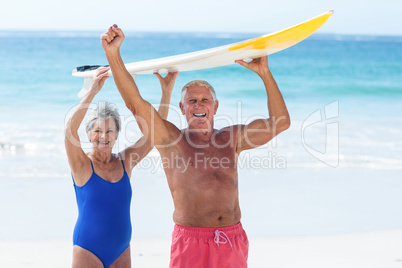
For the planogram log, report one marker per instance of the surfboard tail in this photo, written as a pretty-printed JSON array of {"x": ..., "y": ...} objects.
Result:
[{"x": 85, "y": 87}]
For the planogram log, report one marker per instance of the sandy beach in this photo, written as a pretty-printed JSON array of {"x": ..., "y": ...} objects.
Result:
[
  {"x": 320, "y": 218},
  {"x": 380, "y": 249}
]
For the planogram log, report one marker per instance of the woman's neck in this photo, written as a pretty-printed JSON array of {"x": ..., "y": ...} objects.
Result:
[{"x": 102, "y": 156}]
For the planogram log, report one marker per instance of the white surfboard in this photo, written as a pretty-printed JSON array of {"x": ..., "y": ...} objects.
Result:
[{"x": 220, "y": 56}]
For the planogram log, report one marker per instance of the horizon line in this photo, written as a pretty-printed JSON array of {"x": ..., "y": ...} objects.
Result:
[{"x": 94, "y": 31}]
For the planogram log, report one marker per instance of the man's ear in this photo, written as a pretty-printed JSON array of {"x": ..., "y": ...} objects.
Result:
[
  {"x": 181, "y": 107},
  {"x": 216, "y": 104}
]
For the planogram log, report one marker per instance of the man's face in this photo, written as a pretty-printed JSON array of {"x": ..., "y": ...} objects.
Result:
[{"x": 199, "y": 107}]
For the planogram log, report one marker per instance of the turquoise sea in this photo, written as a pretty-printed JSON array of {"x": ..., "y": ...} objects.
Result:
[
  {"x": 344, "y": 95},
  {"x": 358, "y": 76}
]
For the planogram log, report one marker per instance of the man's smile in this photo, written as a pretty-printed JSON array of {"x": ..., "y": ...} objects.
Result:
[{"x": 200, "y": 114}]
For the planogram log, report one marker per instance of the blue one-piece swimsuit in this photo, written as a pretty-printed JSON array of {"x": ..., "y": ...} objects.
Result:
[{"x": 104, "y": 223}]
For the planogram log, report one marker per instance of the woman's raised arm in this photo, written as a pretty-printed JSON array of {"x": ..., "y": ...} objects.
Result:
[
  {"x": 76, "y": 156},
  {"x": 135, "y": 153}
]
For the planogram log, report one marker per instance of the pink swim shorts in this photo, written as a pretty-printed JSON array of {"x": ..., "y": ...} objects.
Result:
[{"x": 209, "y": 247}]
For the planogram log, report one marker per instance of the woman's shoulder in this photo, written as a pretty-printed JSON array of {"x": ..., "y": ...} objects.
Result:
[{"x": 82, "y": 174}]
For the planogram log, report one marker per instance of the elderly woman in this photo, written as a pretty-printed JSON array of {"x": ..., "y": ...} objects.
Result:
[{"x": 102, "y": 179}]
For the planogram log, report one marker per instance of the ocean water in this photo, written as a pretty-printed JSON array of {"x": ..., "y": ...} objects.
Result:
[
  {"x": 358, "y": 78},
  {"x": 344, "y": 95}
]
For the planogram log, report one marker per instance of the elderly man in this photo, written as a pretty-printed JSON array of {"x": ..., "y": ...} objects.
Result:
[{"x": 200, "y": 161}]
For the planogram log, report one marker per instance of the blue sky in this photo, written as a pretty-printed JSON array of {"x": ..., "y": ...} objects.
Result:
[{"x": 262, "y": 16}]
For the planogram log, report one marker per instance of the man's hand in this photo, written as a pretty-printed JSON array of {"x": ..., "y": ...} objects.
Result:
[
  {"x": 167, "y": 82},
  {"x": 112, "y": 39},
  {"x": 259, "y": 66}
]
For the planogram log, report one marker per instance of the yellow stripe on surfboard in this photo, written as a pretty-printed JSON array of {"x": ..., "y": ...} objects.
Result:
[{"x": 285, "y": 38}]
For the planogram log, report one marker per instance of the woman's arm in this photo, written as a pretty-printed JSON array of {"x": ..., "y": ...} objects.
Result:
[
  {"x": 167, "y": 84},
  {"x": 76, "y": 156},
  {"x": 135, "y": 153}
]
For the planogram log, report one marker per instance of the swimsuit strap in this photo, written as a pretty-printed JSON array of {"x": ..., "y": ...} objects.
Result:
[
  {"x": 93, "y": 170},
  {"x": 121, "y": 159}
]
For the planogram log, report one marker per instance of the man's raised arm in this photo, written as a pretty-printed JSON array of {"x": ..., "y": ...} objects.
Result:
[
  {"x": 149, "y": 121},
  {"x": 261, "y": 131}
]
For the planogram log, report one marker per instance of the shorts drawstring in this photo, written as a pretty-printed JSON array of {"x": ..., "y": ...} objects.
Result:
[{"x": 221, "y": 235}]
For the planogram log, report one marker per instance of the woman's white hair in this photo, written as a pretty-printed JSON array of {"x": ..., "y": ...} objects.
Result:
[
  {"x": 103, "y": 110},
  {"x": 201, "y": 83}
]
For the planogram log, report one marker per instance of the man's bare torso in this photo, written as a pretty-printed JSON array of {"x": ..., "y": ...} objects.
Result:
[{"x": 202, "y": 176}]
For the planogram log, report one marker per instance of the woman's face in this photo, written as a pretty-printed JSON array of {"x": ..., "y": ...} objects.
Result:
[{"x": 103, "y": 134}]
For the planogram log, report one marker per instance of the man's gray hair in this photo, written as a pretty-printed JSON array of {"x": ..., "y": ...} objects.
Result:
[
  {"x": 201, "y": 83},
  {"x": 103, "y": 110}
]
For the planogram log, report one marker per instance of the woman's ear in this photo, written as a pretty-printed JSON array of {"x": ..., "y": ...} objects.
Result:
[{"x": 89, "y": 135}]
